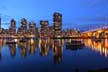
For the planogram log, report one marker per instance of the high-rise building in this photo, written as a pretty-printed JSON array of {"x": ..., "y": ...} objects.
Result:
[
  {"x": 20, "y": 31},
  {"x": 57, "y": 23},
  {"x": 44, "y": 29},
  {"x": 13, "y": 24},
  {"x": 12, "y": 29},
  {"x": 32, "y": 28},
  {"x": 50, "y": 31},
  {"x": 24, "y": 24}
]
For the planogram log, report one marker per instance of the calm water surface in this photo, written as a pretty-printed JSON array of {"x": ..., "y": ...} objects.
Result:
[{"x": 53, "y": 55}]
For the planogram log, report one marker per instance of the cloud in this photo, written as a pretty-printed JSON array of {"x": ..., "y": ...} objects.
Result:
[
  {"x": 3, "y": 5},
  {"x": 105, "y": 19},
  {"x": 94, "y": 3},
  {"x": 3, "y": 8}
]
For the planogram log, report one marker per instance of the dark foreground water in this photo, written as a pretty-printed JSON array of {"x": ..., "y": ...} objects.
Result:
[{"x": 53, "y": 56}]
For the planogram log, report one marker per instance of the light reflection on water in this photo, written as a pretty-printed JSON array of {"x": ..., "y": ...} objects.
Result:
[
  {"x": 53, "y": 52},
  {"x": 101, "y": 47}
]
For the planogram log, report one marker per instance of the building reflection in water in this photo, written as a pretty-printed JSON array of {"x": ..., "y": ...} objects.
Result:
[
  {"x": 1, "y": 45},
  {"x": 56, "y": 45},
  {"x": 23, "y": 46},
  {"x": 57, "y": 51},
  {"x": 44, "y": 47},
  {"x": 12, "y": 48},
  {"x": 101, "y": 46},
  {"x": 32, "y": 46}
]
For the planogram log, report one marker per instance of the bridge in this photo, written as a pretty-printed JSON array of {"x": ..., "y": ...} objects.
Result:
[{"x": 101, "y": 32}]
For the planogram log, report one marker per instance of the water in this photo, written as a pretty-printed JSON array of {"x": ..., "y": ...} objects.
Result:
[{"x": 53, "y": 56}]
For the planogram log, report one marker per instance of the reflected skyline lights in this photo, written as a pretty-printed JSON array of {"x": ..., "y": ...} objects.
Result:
[
  {"x": 56, "y": 46},
  {"x": 101, "y": 47}
]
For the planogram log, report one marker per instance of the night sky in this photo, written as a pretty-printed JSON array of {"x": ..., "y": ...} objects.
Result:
[{"x": 75, "y": 12}]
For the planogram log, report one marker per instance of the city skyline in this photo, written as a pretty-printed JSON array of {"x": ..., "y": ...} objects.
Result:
[
  {"x": 65, "y": 26},
  {"x": 74, "y": 12},
  {"x": 53, "y": 35}
]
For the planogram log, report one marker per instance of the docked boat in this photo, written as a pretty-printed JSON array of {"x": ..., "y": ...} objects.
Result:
[
  {"x": 74, "y": 44},
  {"x": 10, "y": 42},
  {"x": 23, "y": 40}
]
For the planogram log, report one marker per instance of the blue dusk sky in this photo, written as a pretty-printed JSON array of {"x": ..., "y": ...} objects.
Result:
[{"x": 76, "y": 13}]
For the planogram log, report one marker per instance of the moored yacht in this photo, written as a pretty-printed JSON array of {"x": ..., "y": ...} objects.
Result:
[
  {"x": 23, "y": 40},
  {"x": 74, "y": 44},
  {"x": 11, "y": 41}
]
